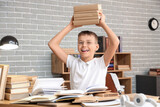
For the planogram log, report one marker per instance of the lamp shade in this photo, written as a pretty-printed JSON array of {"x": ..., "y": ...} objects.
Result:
[{"x": 9, "y": 42}]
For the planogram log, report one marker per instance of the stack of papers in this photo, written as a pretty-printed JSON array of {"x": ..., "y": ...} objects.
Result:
[{"x": 47, "y": 86}]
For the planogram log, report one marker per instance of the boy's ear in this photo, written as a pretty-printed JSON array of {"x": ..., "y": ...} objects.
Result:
[{"x": 97, "y": 47}]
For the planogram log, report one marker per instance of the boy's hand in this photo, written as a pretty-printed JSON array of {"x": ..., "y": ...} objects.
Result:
[
  {"x": 72, "y": 25},
  {"x": 102, "y": 20}
]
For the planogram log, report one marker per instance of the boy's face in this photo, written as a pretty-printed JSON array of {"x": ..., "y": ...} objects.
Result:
[{"x": 87, "y": 46}]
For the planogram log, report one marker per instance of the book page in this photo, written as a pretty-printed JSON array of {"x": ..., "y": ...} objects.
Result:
[{"x": 114, "y": 103}]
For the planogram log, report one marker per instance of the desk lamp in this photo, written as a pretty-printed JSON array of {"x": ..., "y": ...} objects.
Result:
[{"x": 8, "y": 43}]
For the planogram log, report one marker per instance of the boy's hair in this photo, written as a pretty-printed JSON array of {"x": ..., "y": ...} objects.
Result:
[{"x": 90, "y": 33}]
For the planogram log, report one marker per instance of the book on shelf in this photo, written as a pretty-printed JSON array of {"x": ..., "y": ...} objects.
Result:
[
  {"x": 155, "y": 69},
  {"x": 9, "y": 96},
  {"x": 104, "y": 42},
  {"x": 123, "y": 67},
  {"x": 87, "y": 7},
  {"x": 110, "y": 68},
  {"x": 154, "y": 73}
]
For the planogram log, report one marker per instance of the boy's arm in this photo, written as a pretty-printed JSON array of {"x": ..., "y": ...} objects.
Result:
[
  {"x": 113, "y": 39},
  {"x": 55, "y": 42}
]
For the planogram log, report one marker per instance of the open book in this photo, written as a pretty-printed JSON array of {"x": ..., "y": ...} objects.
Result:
[
  {"x": 47, "y": 86},
  {"x": 89, "y": 90},
  {"x": 36, "y": 98}
]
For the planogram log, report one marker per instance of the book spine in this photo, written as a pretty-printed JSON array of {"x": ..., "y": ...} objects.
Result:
[
  {"x": 86, "y": 22},
  {"x": 85, "y": 15},
  {"x": 14, "y": 91},
  {"x": 87, "y": 12},
  {"x": 86, "y": 18},
  {"x": 156, "y": 70},
  {"x": 87, "y": 7},
  {"x": 14, "y": 79},
  {"x": 20, "y": 85}
]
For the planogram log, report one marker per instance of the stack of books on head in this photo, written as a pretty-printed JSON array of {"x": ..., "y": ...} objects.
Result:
[
  {"x": 154, "y": 71},
  {"x": 17, "y": 87},
  {"x": 87, "y": 14},
  {"x": 47, "y": 86}
]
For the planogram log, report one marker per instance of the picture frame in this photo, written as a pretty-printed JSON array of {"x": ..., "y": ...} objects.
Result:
[{"x": 3, "y": 79}]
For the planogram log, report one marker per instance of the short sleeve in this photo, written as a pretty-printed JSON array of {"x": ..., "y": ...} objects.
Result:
[
  {"x": 102, "y": 63},
  {"x": 70, "y": 61}
]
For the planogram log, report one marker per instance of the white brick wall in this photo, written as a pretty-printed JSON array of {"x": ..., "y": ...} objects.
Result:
[{"x": 35, "y": 22}]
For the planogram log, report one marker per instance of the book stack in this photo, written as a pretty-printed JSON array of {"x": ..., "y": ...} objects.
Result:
[
  {"x": 17, "y": 87},
  {"x": 32, "y": 80},
  {"x": 123, "y": 67},
  {"x": 154, "y": 71},
  {"x": 87, "y": 14}
]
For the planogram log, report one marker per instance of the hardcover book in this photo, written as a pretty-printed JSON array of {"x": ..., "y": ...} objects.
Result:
[
  {"x": 87, "y": 7},
  {"x": 9, "y": 96}
]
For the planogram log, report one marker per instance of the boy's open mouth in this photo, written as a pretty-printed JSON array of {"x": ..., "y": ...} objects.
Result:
[{"x": 85, "y": 50}]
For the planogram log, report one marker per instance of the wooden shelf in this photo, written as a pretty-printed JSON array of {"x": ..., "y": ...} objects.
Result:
[
  {"x": 122, "y": 61},
  {"x": 127, "y": 82},
  {"x": 119, "y": 73}
]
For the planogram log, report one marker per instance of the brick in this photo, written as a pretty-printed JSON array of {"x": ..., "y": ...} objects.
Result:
[{"x": 15, "y": 58}]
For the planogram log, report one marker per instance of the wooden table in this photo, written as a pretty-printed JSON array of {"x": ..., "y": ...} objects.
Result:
[{"x": 6, "y": 103}]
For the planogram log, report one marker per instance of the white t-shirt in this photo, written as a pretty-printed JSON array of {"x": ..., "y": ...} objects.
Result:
[{"x": 86, "y": 74}]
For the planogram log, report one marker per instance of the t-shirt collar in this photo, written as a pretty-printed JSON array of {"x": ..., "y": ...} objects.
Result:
[{"x": 87, "y": 62}]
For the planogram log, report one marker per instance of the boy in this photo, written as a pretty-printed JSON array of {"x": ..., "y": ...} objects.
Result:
[{"x": 86, "y": 71}]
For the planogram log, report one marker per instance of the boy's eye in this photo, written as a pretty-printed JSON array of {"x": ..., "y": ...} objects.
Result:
[
  {"x": 80, "y": 42},
  {"x": 88, "y": 42}
]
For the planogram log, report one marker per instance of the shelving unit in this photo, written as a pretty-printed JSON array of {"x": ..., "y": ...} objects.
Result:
[{"x": 58, "y": 67}]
